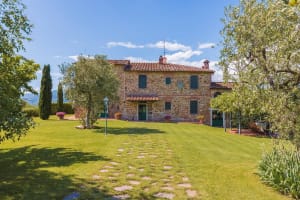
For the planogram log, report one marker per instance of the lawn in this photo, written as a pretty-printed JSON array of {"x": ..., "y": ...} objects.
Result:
[{"x": 136, "y": 160}]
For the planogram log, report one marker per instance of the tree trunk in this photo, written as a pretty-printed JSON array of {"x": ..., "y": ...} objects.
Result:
[{"x": 88, "y": 123}]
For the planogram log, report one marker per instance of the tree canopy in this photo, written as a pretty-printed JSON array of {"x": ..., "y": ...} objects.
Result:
[
  {"x": 15, "y": 70},
  {"x": 261, "y": 53},
  {"x": 87, "y": 82}
]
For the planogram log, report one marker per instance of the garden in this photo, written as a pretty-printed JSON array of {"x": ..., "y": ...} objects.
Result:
[{"x": 136, "y": 160}]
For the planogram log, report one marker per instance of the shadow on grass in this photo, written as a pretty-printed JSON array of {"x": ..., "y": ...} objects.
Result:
[
  {"x": 23, "y": 174},
  {"x": 130, "y": 131}
]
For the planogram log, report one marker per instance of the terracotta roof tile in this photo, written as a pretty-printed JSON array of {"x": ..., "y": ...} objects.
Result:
[
  {"x": 168, "y": 67},
  {"x": 221, "y": 85},
  {"x": 142, "y": 97}
]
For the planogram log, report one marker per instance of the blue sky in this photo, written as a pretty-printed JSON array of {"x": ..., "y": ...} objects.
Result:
[{"x": 125, "y": 29}]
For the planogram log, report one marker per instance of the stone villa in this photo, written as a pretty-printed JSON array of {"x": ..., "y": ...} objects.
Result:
[{"x": 156, "y": 91}]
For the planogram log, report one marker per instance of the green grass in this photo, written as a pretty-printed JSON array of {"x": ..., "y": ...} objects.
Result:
[{"x": 55, "y": 159}]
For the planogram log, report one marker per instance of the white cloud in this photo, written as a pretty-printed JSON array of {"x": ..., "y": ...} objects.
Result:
[
  {"x": 182, "y": 55},
  {"x": 206, "y": 45},
  {"x": 170, "y": 46},
  {"x": 75, "y": 57},
  {"x": 124, "y": 44}
]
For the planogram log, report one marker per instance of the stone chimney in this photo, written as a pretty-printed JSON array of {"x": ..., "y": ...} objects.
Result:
[
  {"x": 162, "y": 60},
  {"x": 205, "y": 64}
]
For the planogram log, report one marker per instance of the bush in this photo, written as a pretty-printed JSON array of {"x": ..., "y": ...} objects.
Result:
[
  {"x": 31, "y": 112},
  {"x": 68, "y": 109},
  {"x": 60, "y": 115},
  {"x": 280, "y": 168}
]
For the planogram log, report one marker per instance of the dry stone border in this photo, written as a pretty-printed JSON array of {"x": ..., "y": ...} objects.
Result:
[
  {"x": 120, "y": 197},
  {"x": 123, "y": 188},
  {"x": 164, "y": 195}
]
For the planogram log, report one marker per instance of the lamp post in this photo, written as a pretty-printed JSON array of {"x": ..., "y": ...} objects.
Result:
[{"x": 105, "y": 100}]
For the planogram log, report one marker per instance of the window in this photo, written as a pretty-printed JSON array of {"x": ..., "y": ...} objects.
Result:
[
  {"x": 167, "y": 105},
  {"x": 194, "y": 82},
  {"x": 168, "y": 80},
  {"x": 142, "y": 81},
  {"x": 193, "y": 107}
]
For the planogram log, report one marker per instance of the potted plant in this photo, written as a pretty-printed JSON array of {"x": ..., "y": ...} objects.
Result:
[
  {"x": 118, "y": 115},
  {"x": 200, "y": 118},
  {"x": 60, "y": 115},
  {"x": 167, "y": 118}
]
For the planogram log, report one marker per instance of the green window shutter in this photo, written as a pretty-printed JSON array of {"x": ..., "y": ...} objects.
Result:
[
  {"x": 193, "y": 107},
  {"x": 142, "y": 81},
  {"x": 168, "y": 80},
  {"x": 194, "y": 82},
  {"x": 168, "y": 105}
]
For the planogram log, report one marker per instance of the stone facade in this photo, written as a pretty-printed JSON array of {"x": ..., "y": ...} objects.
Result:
[{"x": 148, "y": 103}]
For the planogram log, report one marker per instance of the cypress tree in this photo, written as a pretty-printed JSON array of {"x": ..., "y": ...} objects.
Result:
[
  {"x": 60, "y": 98},
  {"x": 45, "y": 93}
]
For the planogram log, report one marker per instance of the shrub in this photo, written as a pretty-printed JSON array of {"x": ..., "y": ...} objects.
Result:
[
  {"x": 67, "y": 108},
  {"x": 31, "y": 112},
  {"x": 60, "y": 115},
  {"x": 280, "y": 168}
]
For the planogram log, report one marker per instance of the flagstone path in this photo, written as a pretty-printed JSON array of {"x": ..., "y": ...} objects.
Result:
[{"x": 144, "y": 168}]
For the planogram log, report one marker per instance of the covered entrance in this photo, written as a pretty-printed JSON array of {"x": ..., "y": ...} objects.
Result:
[
  {"x": 142, "y": 112},
  {"x": 143, "y": 106}
]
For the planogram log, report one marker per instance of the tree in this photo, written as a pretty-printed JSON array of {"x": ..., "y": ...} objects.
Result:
[
  {"x": 15, "y": 70},
  {"x": 45, "y": 93},
  {"x": 261, "y": 54},
  {"x": 87, "y": 82},
  {"x": 60, "y": 98}
]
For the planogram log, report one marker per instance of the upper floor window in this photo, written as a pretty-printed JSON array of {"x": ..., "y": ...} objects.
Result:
[
  {"x": 193, "y": 107},
  {"x": 168, "y": 80},
  {"x": 194, "y": 82},
  {"x": 142, "y": 81}
]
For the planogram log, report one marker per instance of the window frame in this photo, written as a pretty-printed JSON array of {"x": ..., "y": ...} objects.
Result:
[
  {"x": 194, "y": 82},
  {"x": 142, "y": 84},
  {"x": 193, "y": 107},
  {"x": 168, "y": 105},
  {"x": 168, "y": 80}
]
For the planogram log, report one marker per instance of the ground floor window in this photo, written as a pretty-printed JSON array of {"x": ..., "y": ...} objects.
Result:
[
  {"x": 168, "y": 105},
  {"x": 193, "y": 107}
]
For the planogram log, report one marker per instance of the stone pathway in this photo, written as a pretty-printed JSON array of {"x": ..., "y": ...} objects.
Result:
[{"x": 143, "y": 168}]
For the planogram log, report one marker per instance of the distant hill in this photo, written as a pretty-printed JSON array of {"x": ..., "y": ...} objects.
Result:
[{"x": 34, "y": 99}]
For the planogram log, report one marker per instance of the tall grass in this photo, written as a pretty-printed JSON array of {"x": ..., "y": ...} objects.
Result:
[{"x": 280, "y": 168}]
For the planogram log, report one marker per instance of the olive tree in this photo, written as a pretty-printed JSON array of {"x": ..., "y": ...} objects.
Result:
[
  {"x": 261, "y": 53},
  {"x": 87, "y": 82}
]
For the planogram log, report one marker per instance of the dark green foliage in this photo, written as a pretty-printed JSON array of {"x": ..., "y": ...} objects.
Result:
[
  {"x": 60, "y": 98},
  {"x": 15, "y": 70},
  {"x": 87, "y": 82},
  {"x": 280, "y": 168},
  {"x": 31, "y": 112},
  {"x": 67, "y": 108},
  {"x": 45, "y": 93}
]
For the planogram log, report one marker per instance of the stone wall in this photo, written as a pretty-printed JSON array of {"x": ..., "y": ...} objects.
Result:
[{"x": 179, "y": 97}]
